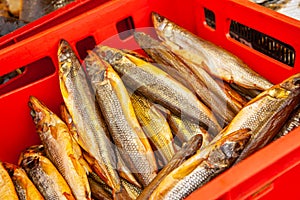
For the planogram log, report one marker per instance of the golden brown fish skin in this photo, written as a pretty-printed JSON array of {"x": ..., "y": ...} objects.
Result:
[
  {"x": 154, "y": 124},
  {"x": 34, "y": 149},
  {"x": 25, "y": 189},
  {"x": 266, "y": 114},
  {"x": 236, "y": 98},
  {"x": 124, "y": 172},
  {"x": 98, "y": 191},
  {"x": 100, "y": 182},
  {"x": 7, "y": 188},
  {"x": 188, "y": 149},
  {"x": 58, "y": 143},
  {"x": 203, "y": 85},
  {"x": 46, "y": 177},
  {"x": 76, "y": 91},
  {"x": 292, "y": 123},
  {"x": 202, "y": 167},
  {"x": 246, "y": 93},
  {"x": 185, "y": 130},
  {"x": 158, "y": 86},
  {"x": 138, "y": 55},
  {"x": 76, "y": 143},
  {"x": 119, "y": 115},
  {"x": 198, "y": 51},
  {"x": 131, "y": 189}
]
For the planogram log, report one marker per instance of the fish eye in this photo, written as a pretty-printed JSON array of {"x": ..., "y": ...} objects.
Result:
[{"x": 33, "y": 113}]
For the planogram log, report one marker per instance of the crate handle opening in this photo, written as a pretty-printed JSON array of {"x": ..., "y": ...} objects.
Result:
[
  {"x": 84, "y": 45},
  {"x": 26, "y": 75},
  {"x": 125, "y": 28},
  {"x": 210, "y": 18}
]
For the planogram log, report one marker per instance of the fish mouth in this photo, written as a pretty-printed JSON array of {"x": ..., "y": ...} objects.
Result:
[
  {"x": 64, "y": 50},
  {"x": 292, "y": 83},
  {"x": 157, "y": 17}
]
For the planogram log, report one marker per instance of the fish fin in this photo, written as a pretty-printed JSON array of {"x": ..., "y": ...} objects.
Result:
[{"x": 121, "y": 195}]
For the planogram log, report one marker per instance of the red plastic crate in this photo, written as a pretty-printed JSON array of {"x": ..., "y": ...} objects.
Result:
[{"x": 270, "y": 173}]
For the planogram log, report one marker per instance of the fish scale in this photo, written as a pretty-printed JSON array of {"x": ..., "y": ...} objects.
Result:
[
  {"x": 124, "y": 137},
  {"x": 154, "y": 125},
  {"x": 194, "y": 180}
]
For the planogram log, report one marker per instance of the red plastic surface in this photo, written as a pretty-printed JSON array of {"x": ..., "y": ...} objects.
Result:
[{"x": 270, "y": 173}]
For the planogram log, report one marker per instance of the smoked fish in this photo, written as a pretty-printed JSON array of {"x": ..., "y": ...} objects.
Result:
[
  {"x": 204, "y": 86},
  {"x": 265, "y": 114},
  {"x": 58, "y": 143},
  {"x": 7, "y": 188},
  {"x": 46, "y": 177},
  {"x": 204, "y": 54},
  {"x": 154, "y": 124},
  {"x": 201, "y": 167},
  {"x": 119, "y": 115},
  {"x": 25, "y": 189},
  {"x": 188, "y": 149},
  {"x": 81, "y": 104}
]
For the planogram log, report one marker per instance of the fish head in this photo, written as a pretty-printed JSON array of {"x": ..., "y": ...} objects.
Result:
[
  {"x": 292, "y": 83},
  {"x": 95, "y": 67},
  {"x": 30, "y": 162},
  {"x": 35, "y": 149},
  {"x": 116, "y": 58},
  {"x": 10, "y": 168},
  {"x": 162, "y": 26},
  {"x": 229, "y": 147},
  {"x": 67, "y": 59},
  {"x": 109, "y": 54},
  {"x": 39, "y": 113},
  {"x": 146, "y": 41}
]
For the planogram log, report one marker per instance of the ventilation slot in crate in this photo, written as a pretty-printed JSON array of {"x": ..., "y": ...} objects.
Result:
[{"x": 263, "y": 43}]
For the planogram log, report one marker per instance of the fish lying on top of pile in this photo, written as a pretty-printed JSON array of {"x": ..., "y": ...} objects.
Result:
[
  {"x": 200, "y": 53},
  {"x": 120, "y": 118},
  {"x": 80, "y": 101}
]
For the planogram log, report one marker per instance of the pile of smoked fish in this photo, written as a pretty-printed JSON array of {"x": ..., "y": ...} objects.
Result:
[
  {"x": 16, "y": 13},
  {"x": 149, "y": 127}
]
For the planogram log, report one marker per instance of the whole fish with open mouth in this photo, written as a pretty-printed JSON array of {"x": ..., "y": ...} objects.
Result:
[
  {"x": 201, "y": 167},
  {"x": 58, "y": 144},
  {"x": 266, "y": 114},
  {"x": 204, "y": 86},
  {"x": 159, "y": 87},
  {"x": 46, "y": 177},
  {"x": 188, "y": 149},
  {"x": 7, "y": 188},
  {"x": 154, "y": 124},
  {"x": 204, "y": 54},
  {"x": 82, "y": 106},
  {"x": 119, "y": 115},
  {"x": 25, "y": 189}
]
